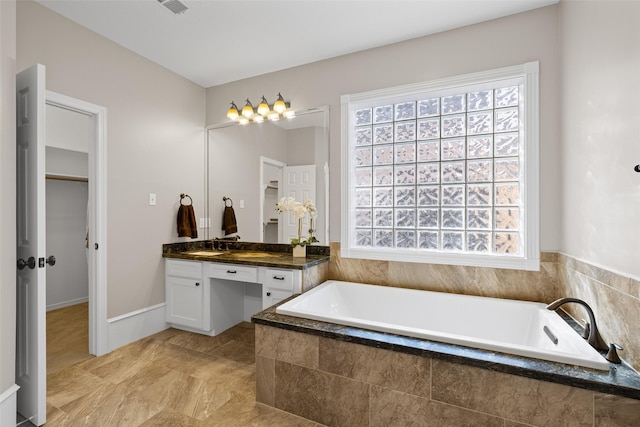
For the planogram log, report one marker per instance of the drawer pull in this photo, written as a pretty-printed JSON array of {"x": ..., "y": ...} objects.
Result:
[
  {"x": 268, "y": 294},
  {"x": 197, "y": 283},
  {"x": 231, "y": 271},
  {"x": 278, "y": 277}
]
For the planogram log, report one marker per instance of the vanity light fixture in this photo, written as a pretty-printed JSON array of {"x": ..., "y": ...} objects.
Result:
[{"x": 264, "y": 111}]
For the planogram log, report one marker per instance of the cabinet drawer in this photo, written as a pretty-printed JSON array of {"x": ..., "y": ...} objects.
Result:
[
  {"x": 234, "y": 272},
  {"x": 192, "y": 270},
  {"x": 279, "y": 279}
]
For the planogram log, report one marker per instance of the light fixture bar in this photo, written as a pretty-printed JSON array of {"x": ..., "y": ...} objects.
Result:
[{"x": 279, "y": 109}]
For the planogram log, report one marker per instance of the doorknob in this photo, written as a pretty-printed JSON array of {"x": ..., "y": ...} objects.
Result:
[
  {"x": 31, "y": 263},
  {"x": 51, "y": 260}
]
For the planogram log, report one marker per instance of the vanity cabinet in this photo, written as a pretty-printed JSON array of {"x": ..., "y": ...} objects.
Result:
[
  {"x": 210, "y": 297},
  {"x": 184, "y": 289}
]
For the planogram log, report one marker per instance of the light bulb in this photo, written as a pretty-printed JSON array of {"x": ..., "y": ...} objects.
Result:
[
  {"x": 279, "y": 106},
  {"x": 263, "y": 107},
  {"x": 274, "y": 117},
  {"x": 258, "y": 118},
  {"x": 243, "y": 121},
  {"x": 247, "y": 110},
  {"x": 232, "y": 113}
]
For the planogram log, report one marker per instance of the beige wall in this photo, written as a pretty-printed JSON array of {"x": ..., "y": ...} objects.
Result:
[
  {"x": 155, "y": 140},
  {"x": 7, "y": 192},
  {"x": 503, "y": 42},
  {"x": 601, "y": 133}
]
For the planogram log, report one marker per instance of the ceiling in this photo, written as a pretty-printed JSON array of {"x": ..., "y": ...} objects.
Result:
[{"x": 219, "y": 41}]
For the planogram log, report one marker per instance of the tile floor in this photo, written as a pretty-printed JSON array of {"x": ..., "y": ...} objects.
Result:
[{"x": 173, "y": 378}]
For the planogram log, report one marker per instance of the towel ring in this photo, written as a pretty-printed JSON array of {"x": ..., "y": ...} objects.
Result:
[
  {"x": 227, "y": 199},
  {"x": 182, "y": 196}
]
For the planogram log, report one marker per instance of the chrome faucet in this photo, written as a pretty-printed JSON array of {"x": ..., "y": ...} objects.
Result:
[{"x": 594, "y": 337}]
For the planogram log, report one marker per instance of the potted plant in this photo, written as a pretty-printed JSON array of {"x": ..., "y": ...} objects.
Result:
[{"x": 299, "y": 211}]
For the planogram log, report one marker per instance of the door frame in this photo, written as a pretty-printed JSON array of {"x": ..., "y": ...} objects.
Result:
[
  {"x": 98, "y": 325},
  {"x": 278, "y": 164}
]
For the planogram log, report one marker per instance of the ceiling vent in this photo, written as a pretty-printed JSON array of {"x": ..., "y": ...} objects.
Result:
[{"x": 174, "y": 6}]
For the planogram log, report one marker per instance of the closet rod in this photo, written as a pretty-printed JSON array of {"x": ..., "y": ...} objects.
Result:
[{"x": 67, "y": 178}]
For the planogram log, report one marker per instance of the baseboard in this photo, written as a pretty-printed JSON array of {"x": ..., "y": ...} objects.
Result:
[
  {"x": 9, "y": 406},
  {"x": 136, "y": 325},
  {"x": 67, "y": 303}
]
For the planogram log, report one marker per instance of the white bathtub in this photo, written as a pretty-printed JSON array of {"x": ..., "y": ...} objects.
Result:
[{"x": 507, "y": 326}]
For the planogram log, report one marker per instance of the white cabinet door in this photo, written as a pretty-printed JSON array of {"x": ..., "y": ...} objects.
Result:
[
  {"x": 272, "y": 296},
  {"x": 185, "y": 298}
]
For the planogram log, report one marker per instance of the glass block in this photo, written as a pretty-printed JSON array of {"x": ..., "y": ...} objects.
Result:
[
  {"x": 405, "y": 174},
  {"x": 363, "y": 156},
  {"x": 405, "y": 153},
  {"x": 428, "y": 173},
  {"x": 480, "y": 146},
  {"x": 482, "y": 100},
  {"x": 453, "y": 126},
  {"x": 506, "y": 97},
  {"x": 363, "y": 117},
  {"x": 363, "y": 218},
  {"x": 405, "y": 239},
  {"x": 383, "y": 217},
  {"x": 479, "y": 170},
  {"x": 479, "y": 195},
  {"x": 429, "y": 195},
  {"x": 506, "y": 120},
  {"x": 508, "y": 194},
  {"x": 363, "y": 237},
  {"x": 453, "y": 172},
  {"x": 383, "y": 175},
  {"x": 363, "y": 197},
  {"x": 383, "y": 114},
  {"x": 453, "y": 195},
  {"x": 453, "y": 218},
  {"x": 429, "y": 107},
  {"x": 383, "y": 238},
  {"x": 363, "y": 177},
  {"x": 478, "y": 242},
  {"x": 506, "y": 243},
  {"x": 383, "y": 196},
  {"x": 507, "y": 144},
  {"x": 428, "y": 218},
  {"x": 479, "y": 219},
  {"x": 405, "y": 196},
  {"x": 507, "y": 218},
  {"x": 405, "y": 218},
  {"x": 452, "y": 149},
  {"x": 429, "y": 128},
  {"x": 452, "y": 240},
  {"x": 428, "y": 240},
  {"x": 479, "y": 123},
  {"x": 383, "y": 134},
  {"x": 363, "y": 136},
  {"x": 405, "y": 111},
  {"x": 507, "y": 169},
  {"x": 429, "y": 151},
  {"x": 405, "y": 131},
  {"x": 453, "y": 104},
  {"x": 383, "y": 154}
]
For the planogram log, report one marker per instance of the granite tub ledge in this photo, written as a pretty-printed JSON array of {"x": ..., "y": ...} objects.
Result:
[
  {"x": 620, "y": 380},
  {"x": 279, "y": 255}
]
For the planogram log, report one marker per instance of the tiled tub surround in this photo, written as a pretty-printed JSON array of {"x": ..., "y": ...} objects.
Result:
[{"x": 343, "y": 376}]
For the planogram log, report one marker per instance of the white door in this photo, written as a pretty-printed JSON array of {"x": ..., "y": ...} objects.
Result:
[
  {"x": 31, "y": 351},
  {"x": 298, "y": 182}
]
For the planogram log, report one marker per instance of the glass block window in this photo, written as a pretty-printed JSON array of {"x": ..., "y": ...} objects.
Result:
[{"x": 444, "y": 174}]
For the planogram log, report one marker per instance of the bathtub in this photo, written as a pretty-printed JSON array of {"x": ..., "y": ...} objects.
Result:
[{"x": 515, "y": 327}]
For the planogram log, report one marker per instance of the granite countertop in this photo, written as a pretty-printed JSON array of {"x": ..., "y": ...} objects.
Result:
[
  {"x": 248, "y": 253},
  {"x": 620, "y": 380}
]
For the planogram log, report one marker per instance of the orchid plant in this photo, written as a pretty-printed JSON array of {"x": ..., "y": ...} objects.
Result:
[{"x": 299, "y": 211}]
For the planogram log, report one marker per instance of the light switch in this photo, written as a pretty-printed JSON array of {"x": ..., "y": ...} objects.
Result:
[
  {"x": 241, "y": 204},
  {"x": 152, "y": 199}
]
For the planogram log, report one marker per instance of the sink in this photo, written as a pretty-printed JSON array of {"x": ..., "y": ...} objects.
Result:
[
  {"x": 205, "y": 253},
  {"x": 251, "y": 254}
]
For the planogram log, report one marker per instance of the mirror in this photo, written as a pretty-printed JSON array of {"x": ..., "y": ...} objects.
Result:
[{"x": 255, "y": 165}]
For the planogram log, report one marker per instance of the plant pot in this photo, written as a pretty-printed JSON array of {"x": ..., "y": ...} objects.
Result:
[{"x": 300, "y": 251}]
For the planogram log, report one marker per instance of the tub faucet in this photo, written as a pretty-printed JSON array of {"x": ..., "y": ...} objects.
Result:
[{"x": 594, "y": 338}]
